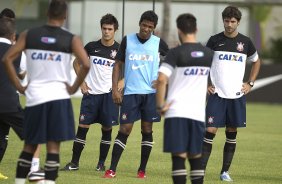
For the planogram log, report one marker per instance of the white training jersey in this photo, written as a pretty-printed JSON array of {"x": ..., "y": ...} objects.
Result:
[
  {"x": 187, "y": 68},
  {"x": 48, "y": 52},
  {"x": 229, "y": 62},
  {"x": 102, "y": 60}
]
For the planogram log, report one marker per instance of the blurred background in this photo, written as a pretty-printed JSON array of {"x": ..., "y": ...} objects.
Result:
[{"x": 261, "y": 21}]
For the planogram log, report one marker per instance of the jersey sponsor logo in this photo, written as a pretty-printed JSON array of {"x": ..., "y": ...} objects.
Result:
[
  {"x": 197, "y": 54},
  {"x": 48, "y": 40},
  {"x": 240, "y": 46},
  {"x": 230, "y": 57},
  {"x": 113, "y": 53},
  {"x": 197, "y": 71},
  {"x": 103, "y": 61},
  {"x": 46, "y": 56},
  {"x": 140, "y": 57},
  {"x": 134, "y": 67}
]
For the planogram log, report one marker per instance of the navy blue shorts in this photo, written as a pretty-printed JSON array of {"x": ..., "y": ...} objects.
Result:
[
  {"x": 50, "y": 121},
  {"x": 98, "y": 109},
  {"x": 222, "y": 112},
  {"x": 182, "y": 135},
  {"x": 135, "y": 107}
]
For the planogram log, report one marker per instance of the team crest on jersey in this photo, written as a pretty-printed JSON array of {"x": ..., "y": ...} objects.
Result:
[
  {"x": 124, "y": 116},
  {"x": 240, "y": 46},
  {"x": 210, "y": 120},
  {"x": 48, "y": 40},
  {"x": 82, "y": 117},
  {"x": 113, "y": 53}
]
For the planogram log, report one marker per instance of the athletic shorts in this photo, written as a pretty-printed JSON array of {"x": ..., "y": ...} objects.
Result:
[
  {"x": 182, "y": 135},
  {"x": 222, "y": 112},
  {"x": 139, "y": 106},
  {"x": 98, "y": 109},
  {"x": 14, "y": 120},
  {"x": 50, "y": 121}
]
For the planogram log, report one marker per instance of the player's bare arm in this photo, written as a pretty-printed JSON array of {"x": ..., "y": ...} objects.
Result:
[
  {"x": 162, "y": 106},
  {"x": 117, "y": 96},
  {"x": 83, "y": 87},
  {"x": 10, "y": 57},
  {"x": 81, "y": 55},
  {"x": 246, "y": 88}
]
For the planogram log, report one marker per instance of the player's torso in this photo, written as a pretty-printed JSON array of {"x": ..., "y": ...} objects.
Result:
[{"x": 102, "y": 59}]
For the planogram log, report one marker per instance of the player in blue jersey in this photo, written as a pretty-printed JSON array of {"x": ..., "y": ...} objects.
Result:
[
  {"x": 226, "y": 105},
  {"x": 140, "y": 52},
  {"x": 185, "y": 71},
  {"x": 97, "y": 105},
  {"x": 48, "y": 114}
]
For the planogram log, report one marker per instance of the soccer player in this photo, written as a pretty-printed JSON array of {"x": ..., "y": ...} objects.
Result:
[
  {"x": 185, "y": 70},
  {"x": 11, "y": 112},
  {"x": 226, "y": 105},
  {"x": 140, "y": 52},
  {"x": 48, "y": 114},
  {"x": 97, "y": 105}
]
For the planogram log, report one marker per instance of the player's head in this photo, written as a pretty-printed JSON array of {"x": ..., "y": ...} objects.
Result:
[
  {"x": 231, "y": 16},
  {"x": 150, "y": 16},
  {"x": 109, "y": 19},
  {"x": 7, "y": 13},
  {"x": 186, "y": 23},
  {"x": 109, "y": 25},
  {"x": 147, "y": 24},
  {"x": 231, "y": 12},
  {"x": 57, "y": 9},
  {"x": 7, "y": 28}
]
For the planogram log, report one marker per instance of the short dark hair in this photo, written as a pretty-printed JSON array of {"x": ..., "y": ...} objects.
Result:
[
  {"x": 6, "y": 12},
  {"x": 232, "y": 12},
  {"x": 57, "y": 9},
  {"x": 187, "y": 23},
  {"x": 7, "y": 27},
  {"x": 149, "y": 16},
  {"x": 109, "y": 19}
]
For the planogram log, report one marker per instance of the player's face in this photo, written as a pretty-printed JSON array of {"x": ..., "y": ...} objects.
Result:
[
  {"x": 146, "y": 29},
  {"x": 230, "y": 25},
  {"x": 108, "y": 32}
]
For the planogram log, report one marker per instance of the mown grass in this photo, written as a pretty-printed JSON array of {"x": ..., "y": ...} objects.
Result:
[{"x": 257, "y": 159}]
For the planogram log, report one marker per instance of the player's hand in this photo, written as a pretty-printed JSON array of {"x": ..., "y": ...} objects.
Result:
[
  {"x": 211, "y": 90},
  {"x": 120, "y": 85},
  {"x": 117, "y": 97},
  {"x": 246, "y": 88},
  {"x": 164, "y": 108},
  {"x": 154, "y": 84},
  {"x": 71, "y": 90},
  {"x": 84, "y": 88},
  {"x": 21, "y": 89}
]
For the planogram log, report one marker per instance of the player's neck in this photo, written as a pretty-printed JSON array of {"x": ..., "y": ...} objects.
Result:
[
  {"x": 231, "y": 35},
  {"x": 55, "y": 23},
  {"x": 108, "y": 43},
  {"x": 189, "y": 38}
]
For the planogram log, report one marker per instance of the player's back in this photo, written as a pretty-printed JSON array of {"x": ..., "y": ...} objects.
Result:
[{"x": 48, "y": 51}]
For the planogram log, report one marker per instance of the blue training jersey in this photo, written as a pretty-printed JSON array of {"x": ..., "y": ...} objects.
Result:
[{"x": 141, "y": 65}]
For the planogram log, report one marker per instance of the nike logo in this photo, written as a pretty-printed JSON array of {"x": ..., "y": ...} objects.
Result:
[
  {"x": 266, "y": 81},
  {"x": 154, "y": 118},
  {"x": 96, "y": 50},
  {"x": 221, "y": 44},
  {"x": 137, "y": 67}
]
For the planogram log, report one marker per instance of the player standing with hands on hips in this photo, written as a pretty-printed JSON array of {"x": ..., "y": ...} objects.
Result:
[
  {"x": 48, "y": 114},
  {"x": 226, "y": 105},
  {"x": 185, "y": 70}
]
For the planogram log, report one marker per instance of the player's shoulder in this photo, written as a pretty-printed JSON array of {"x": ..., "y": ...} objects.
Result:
[{"x": 243, "y": 37}]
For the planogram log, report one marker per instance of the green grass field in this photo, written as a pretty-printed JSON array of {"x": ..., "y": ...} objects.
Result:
[{"x": 257, "y": 159}]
